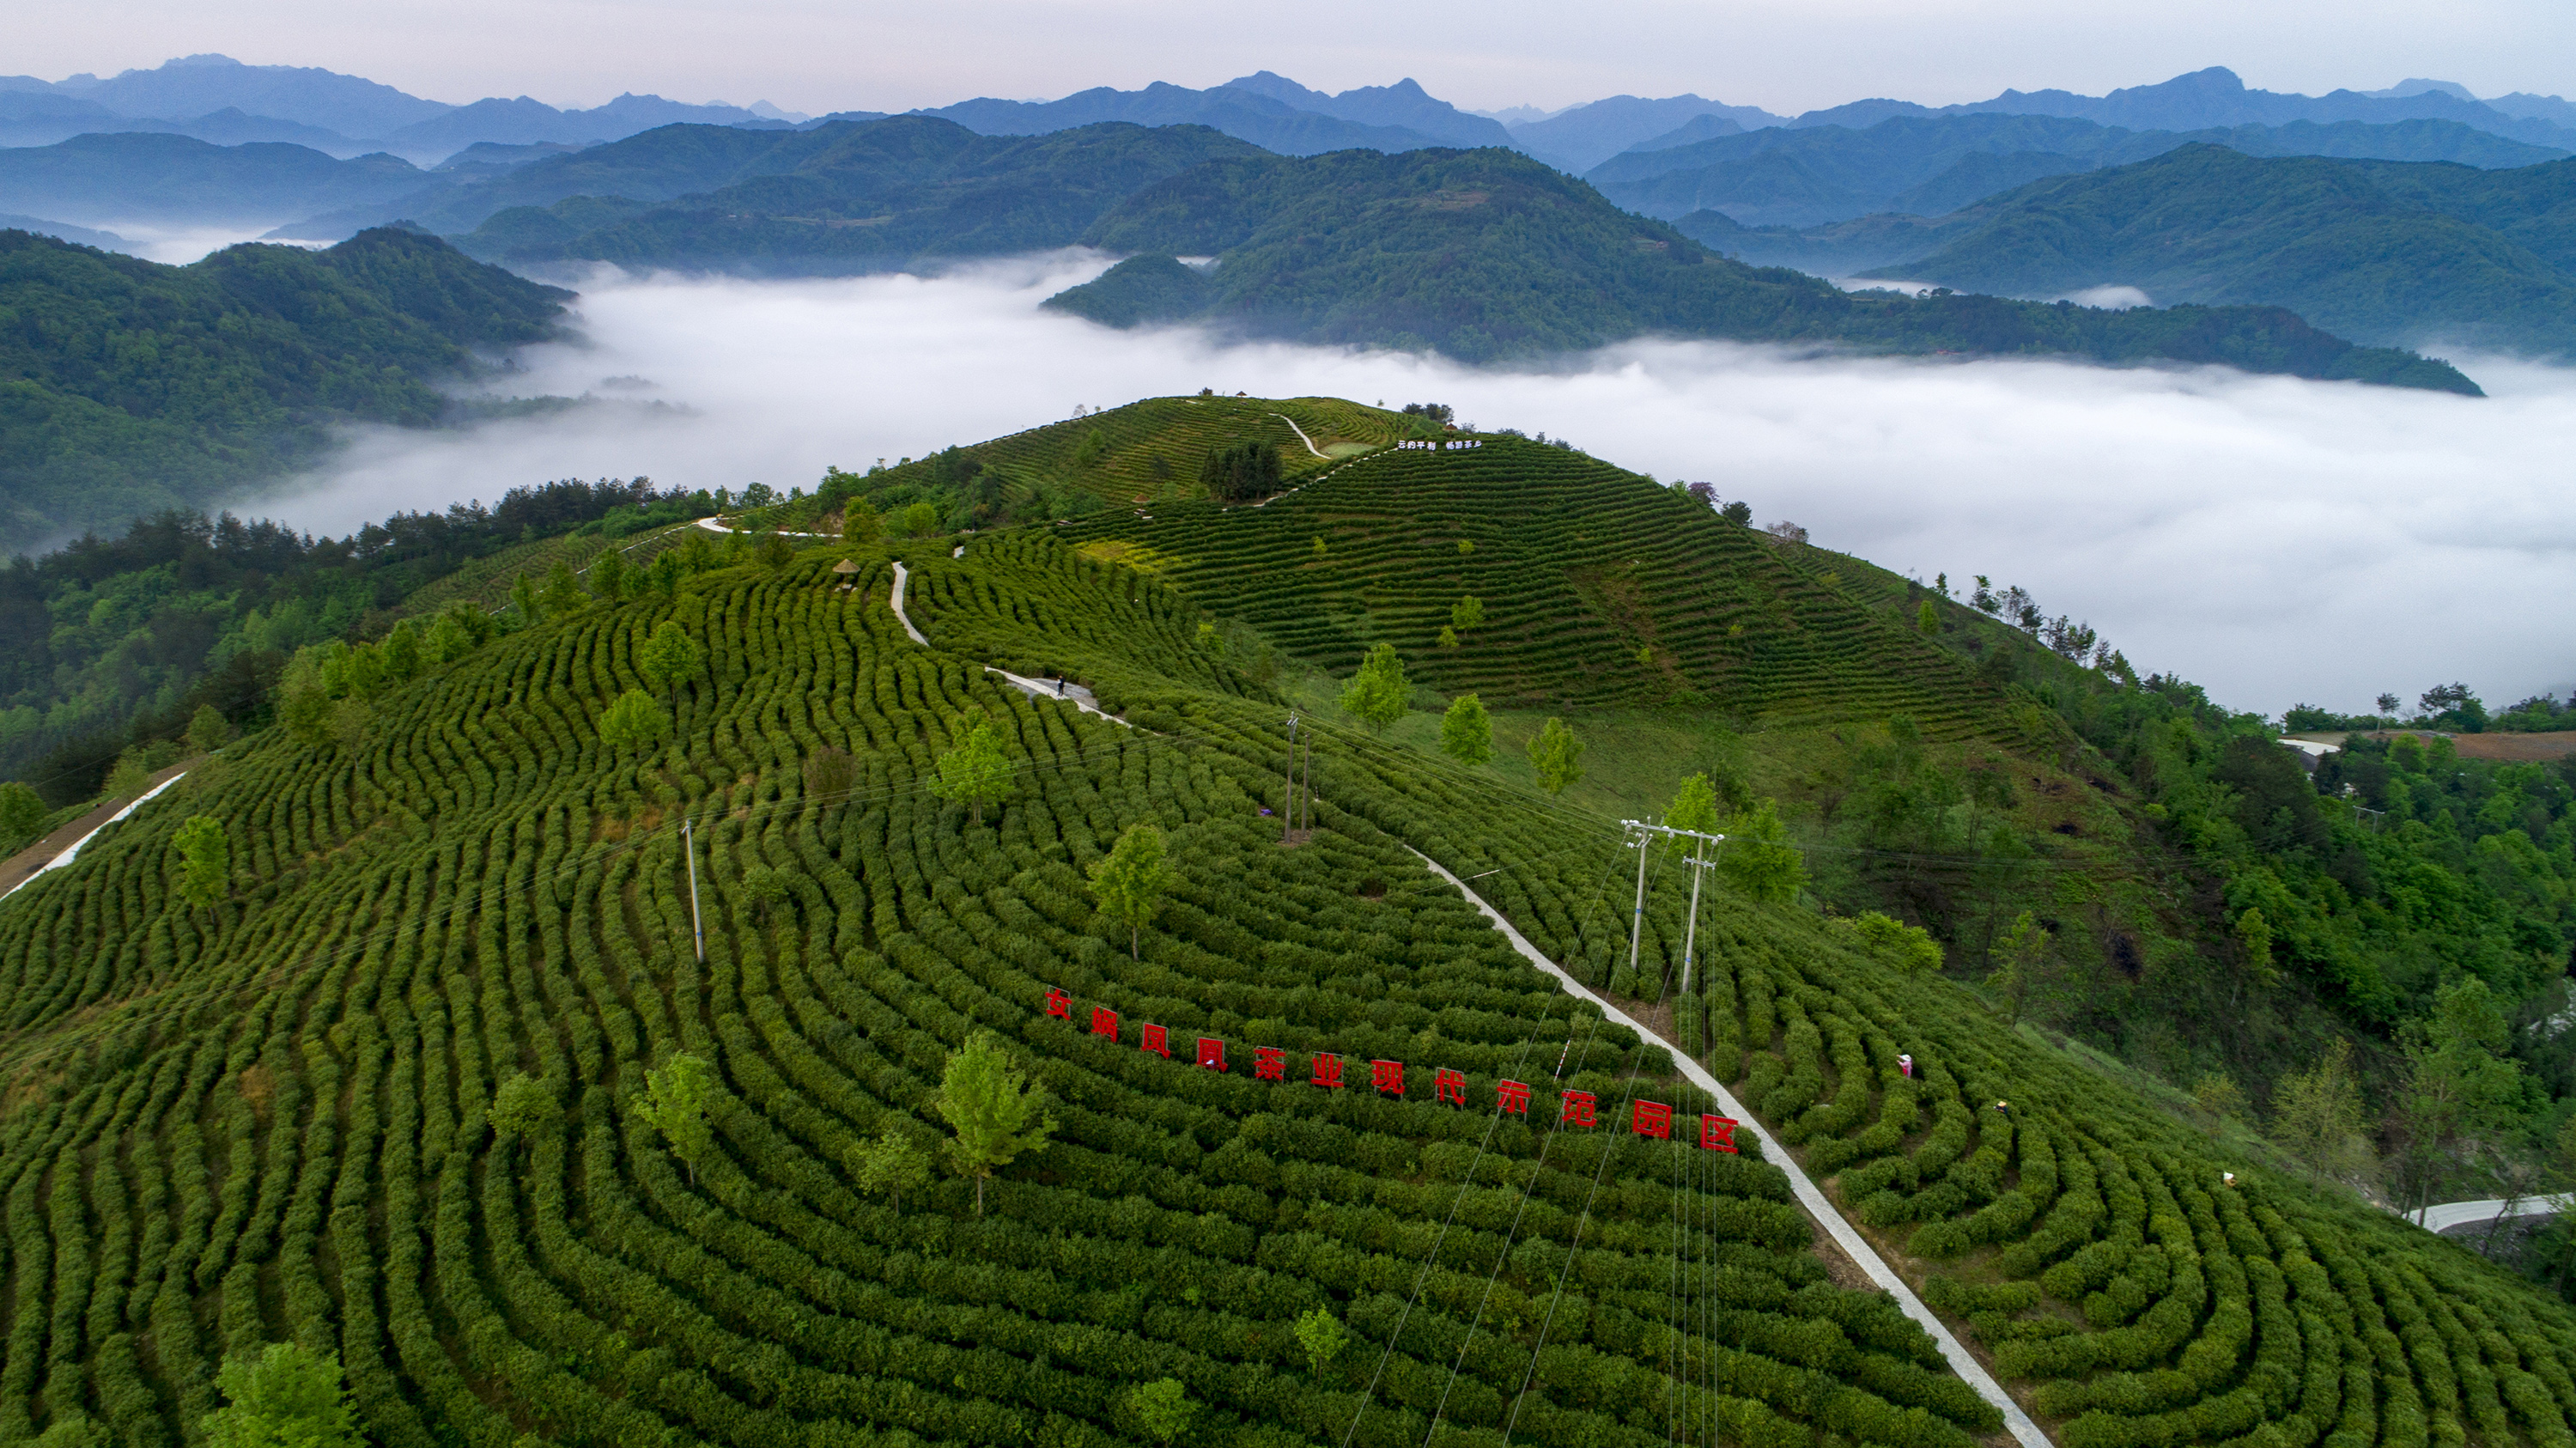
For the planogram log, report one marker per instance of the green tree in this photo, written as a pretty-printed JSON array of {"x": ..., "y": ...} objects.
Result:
[
  {"x": 208, "y": 730},
  {"x": 1164, "y": 1409},
  {"x": 608, "y": 580},
  {"x": 2218, "y": 1099},
  {"x": 521, "y": 1107},
  {"x": 2254, "y": 948},
  {"x": 1093, "y": 447},
  {"x": 676, "y": 1102},
  {"x": 921, "y": 520},
  {"x": 1910, "y": 948},
  {"x": 1131, "y": 880},
  {"x": 662, "y": 576},
  {"x": 1467, "y": 613},
  {"x": 563, "y": 595},
  {"x": 1241, "y": 471},
  {"x": 1211, "y": 640},
  {"x": 974, "y": 772},
  {"x": 523, "y": 599},
  {"x": 402, "y": 659},
  {"x": 1757, "y": 858},
  {"x": 1927, "y": 620},
  {"x": 130, "y": 777},
  {"x": 285, "y": 1397},
  {"x": 1448, "y": 637},
  {"x": 890, "y": 1166},
  {"x": 205, "y": 861},
  {"x": 668, "y": 656},
  {"x": 2019, "y": 958},
  {"x": 2318, "y": 1118},
  {"x": 774, "y": 551},
  {"x": 22, "y": 813},
  {"x": 2457, "y": 1091},
  {"x": 1322, "y": 1336},
  {"x": 1319, "y": 550},
  {"x": 1467, "y": 731},
  {"x": 635, "y": 721},
  {"x": 1694, "y": 807},
  {"x": 860, "y": 523},
  {"x": 997, "y": 1114},
  {"x": 1377, "y": 694},
  {"x": 1557, "y": 755},
  {"x": 448, "y": 641}
]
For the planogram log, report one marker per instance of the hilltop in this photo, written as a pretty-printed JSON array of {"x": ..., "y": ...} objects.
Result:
[
  {"x": 135, "y": 386},
  {"x": 409, "y": 1052}
]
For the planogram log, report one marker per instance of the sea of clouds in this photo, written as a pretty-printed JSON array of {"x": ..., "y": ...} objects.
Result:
[{"x": 2278, "y": 541}]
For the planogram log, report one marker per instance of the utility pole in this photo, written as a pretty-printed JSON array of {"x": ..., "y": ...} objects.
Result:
[
  {"x": 1288, "y": 800},
  {"x": 1645, "y": 834},
  {"x": 1308, "y": 774},
  {"x": 688, "y": 844},
  {"x": 1690, "y": 933}
]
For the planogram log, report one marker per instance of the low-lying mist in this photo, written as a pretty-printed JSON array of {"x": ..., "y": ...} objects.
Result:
[{"x": 2279, "y": 541}]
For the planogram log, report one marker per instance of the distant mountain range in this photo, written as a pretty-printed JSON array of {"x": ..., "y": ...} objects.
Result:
[{"x": 1928, "y": 165}]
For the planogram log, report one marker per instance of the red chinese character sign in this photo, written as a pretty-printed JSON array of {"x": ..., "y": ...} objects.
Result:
[
  {"x": 1212, "y": 1053},
  {"x": 1104, "y": 1022},
  {"x": 1328, "y": 1071},
  {"x": 1512, "y": 1096},
  {"x": 1269, "y": 1063},
  {"x": 1578, "y": 1109},
  {"x": 1652, "y": 1118},
  {"x": 1158, "y": 1041},
  {"x": 1717, "y": 1133},
  {"x": 1387, "y": 1076},
  {"x": 1449, "y": 1086},
  {"x": 1059, "y": 1003}
]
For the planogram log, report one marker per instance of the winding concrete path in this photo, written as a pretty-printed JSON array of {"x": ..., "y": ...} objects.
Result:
[
  {"x": 73, "y": 851},
  {"x": 1074, "y": 694},
  {"x": 901, "y": 577},
  {"x": 2443, "y": 1216},
  {"x": 1810, "y": 1196},
  {"x": 1301, "y": 434}
]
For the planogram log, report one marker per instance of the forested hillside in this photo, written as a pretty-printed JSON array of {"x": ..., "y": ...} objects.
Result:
[
  {"x": 1342, "y": 249},
  {"x": 131, "y": 387},
  {"x": 679, "y": 1006}
]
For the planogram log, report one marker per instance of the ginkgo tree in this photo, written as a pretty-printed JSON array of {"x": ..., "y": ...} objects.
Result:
[{"x": 997, "y": 1115}]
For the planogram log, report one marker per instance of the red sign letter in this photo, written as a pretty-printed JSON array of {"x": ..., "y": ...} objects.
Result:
[
  {"x": 1328, "y": 1071},
  {"x": 1577, "y": 1110},
  {"x": 1652, "y": 1118},
  {"x": 1512, "y": 1096},
  {"x": 1157, "y": 1041},
  {"x": 1387, "y": 1076},
  {"x": 1448, "y": 1085},
  {"x": 1717, "y": 1133},
  {"x": 1059, "y": 1004},
  {"x": 1269, "y": 1063},
  {"x": 1104, "y": 1022},
  {"x": 1212, "y": 1053}
]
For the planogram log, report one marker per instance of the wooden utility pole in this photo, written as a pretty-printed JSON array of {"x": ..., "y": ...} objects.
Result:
[{"x": 1288, "y": 799}]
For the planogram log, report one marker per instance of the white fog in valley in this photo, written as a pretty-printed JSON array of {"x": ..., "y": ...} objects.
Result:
[{"x": 2277, "y": 541}]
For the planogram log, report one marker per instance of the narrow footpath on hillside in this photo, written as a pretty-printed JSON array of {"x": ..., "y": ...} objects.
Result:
[
  {"x": 63, "y": 846},
  {"x": 1301, "y": 434},
  {"x": 1063, "y": 691},
  {"x": 1812, "y": 1197}
]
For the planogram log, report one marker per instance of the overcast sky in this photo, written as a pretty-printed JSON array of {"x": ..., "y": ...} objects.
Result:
[{"x": 820, "y": 55}]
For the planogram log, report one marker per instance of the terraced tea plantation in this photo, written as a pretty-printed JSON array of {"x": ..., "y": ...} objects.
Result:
[
  {"x": 272, "y": 1118},
  {"x": 266, "y": 1120},
  {"x": 1152, "y": 449},
  {"x": 1596, "y": 588}
]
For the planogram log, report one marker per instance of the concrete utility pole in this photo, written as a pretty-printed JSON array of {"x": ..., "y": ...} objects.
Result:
[
  {"x": 1645, "y": 834},
  {"x": 689, "y": 846},
  {"x": 1288, "y": 800},
  {"x": 1690, "y": 933}
]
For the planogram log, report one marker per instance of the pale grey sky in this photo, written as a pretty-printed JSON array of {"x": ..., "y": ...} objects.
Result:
[{"x": 819, "y": 55}]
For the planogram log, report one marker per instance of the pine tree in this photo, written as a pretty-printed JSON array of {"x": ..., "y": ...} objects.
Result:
[
  {"x": 997, "y": 1115},
  {"x": 1557, "y": 755},
  {"x": 1467, "y": 731},
  {"x": 1131, "y": 880},
  {"x": 675, "y": 1104}
]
